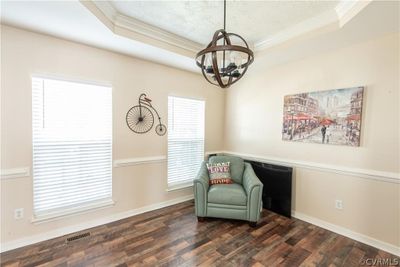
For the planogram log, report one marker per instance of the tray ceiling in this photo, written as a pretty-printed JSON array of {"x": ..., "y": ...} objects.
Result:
[
  {"x": 171, "y": 32},
  {"x": 198, "y": 20}
]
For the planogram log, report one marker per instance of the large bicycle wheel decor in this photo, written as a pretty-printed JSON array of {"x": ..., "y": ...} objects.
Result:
[{"x": 140, "y": 118}]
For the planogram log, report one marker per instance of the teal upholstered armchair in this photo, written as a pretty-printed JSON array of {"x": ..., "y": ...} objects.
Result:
[{"x": 240, "y": 200}]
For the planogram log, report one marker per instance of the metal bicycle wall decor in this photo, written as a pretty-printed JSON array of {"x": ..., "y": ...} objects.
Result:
[{"x": 140, "y": 118}]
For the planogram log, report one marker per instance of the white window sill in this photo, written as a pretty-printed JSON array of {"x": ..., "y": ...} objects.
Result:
[
  {"x": 62, "y": 213},
  {"x": 179, "y": 186}
]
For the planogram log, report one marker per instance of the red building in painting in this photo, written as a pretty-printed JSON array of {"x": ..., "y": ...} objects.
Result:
[{"x": 300, "y": 115}]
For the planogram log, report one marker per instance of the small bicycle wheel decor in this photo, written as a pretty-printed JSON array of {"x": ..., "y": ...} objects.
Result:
[
  {"x": 140, "y": 118},
  {"x": 161, "y": 129}
]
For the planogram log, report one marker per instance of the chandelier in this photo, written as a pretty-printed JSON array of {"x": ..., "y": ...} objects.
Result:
[{"x": 226, "y": 58}]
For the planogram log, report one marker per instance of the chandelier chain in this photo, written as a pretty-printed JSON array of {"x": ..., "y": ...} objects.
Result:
[
  {"x": 223, "y": 57},
  {"x": 224, "y": 15}
]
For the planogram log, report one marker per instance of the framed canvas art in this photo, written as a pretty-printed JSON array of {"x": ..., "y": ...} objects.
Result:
[{"x": 324, "y": 117}]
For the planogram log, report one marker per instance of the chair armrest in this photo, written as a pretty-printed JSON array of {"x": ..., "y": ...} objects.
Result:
[
  {"x": 250, "y": 179},
  {"x": 201, "y": 184},
  {"x": 202, "y": 176},
  {"x": 254, "y": 188}
]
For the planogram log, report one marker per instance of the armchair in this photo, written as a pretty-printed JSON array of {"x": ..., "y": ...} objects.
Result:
[{"x": 240, "y": 200}]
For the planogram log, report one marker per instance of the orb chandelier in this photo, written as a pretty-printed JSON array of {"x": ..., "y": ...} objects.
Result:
[{"x": 226, "y": 58}]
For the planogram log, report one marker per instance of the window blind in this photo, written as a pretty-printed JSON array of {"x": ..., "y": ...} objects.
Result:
[
  {"x": 185, "y": 139},
  {"x": 72, "y": 146}
]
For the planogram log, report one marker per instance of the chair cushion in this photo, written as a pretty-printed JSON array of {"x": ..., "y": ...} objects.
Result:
[
  {"x": 236, "y": 166},
  {"x": 228, "y": 194}
]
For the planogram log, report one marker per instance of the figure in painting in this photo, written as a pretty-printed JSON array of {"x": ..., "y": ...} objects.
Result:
[
  {"x": 327, "y": 134},
  {"x": 323, "y": 131}
]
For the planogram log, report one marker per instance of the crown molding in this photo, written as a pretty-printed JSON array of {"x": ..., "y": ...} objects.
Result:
[
  {"x": 140, "y": 31},
  {"x": 156, "y": 33},
  {"x": 304, "y": 27},
  {"x": 106, "y": 7},
  {"x": 346, "y": 10}
]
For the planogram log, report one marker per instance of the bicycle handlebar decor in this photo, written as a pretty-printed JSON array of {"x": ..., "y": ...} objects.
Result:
[{"x": 140, "y": 118}]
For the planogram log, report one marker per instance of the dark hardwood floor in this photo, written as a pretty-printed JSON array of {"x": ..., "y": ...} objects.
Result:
[{"x": 172, "y": 237}]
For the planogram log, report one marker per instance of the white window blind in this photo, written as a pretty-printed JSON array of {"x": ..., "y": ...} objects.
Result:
[
  {"x": 185, "y": 139},
  {"x": 72, "y": 146}
]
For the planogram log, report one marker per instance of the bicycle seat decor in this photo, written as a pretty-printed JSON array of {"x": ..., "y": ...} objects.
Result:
[{"x": 140, "y": 118}]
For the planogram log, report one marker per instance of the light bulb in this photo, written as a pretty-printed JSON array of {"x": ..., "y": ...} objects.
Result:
[{"x": 207, "y": 60}]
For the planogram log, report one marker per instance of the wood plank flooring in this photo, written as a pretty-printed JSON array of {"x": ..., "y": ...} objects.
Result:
[{"x": 172, "y": 237}]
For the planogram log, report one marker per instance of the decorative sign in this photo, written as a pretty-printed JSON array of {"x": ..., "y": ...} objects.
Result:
[{"x": 324, "y": 117}]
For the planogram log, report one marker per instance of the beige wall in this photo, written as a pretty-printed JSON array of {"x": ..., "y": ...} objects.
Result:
[
  {"x": 25, "y": 53},
  {"x": 254, "y": 123},
  {"x": 253, "y": 112}
]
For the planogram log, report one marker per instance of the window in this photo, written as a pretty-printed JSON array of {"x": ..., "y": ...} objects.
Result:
[
  {"x": 185, "y": 140},
  {"x": 72, "y": 147}
]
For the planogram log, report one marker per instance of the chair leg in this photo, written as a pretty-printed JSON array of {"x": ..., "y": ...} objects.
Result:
[
  {"x": 253, "y": 224},
  {"x": 200, "y": 219}
]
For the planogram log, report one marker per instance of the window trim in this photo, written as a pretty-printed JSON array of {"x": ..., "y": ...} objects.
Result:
[
  {"x": 56, "y": 215},
  {"x": 71, "y": 79},
  {"x": 179, "y": 186},
  {"x": 86, "y": 207},
  {"x": 186, "y": 184}
]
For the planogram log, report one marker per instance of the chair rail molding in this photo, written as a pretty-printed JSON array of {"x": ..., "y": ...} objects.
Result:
[
  {"x": 15, "y": 173},
  {"x": 139, "y": 160},
  {"x": 391, "y": 177},
  {"x": 384, "y": 176},
  {"x": 150, "y": 160}
]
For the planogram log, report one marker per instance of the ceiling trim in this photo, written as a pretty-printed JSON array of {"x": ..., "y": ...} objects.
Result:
[
  {"x": 346, "y": 10},
  {"x": 297, "y": 30},
  {"x": 135, "y": 29},
  {"x": 140, "y": 31},
  {"x": 337, "y": 18},
  {"x": 156, "y": 33}
]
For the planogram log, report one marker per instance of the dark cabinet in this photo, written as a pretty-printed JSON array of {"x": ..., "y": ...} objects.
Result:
[{"x": 277, "y": 192}]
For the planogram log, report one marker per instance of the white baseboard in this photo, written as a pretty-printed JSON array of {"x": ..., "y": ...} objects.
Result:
[
  {"x": 348, "y": 233},
  {"x": 122, "y": 215},
  {"x": 82, "y": 226}
]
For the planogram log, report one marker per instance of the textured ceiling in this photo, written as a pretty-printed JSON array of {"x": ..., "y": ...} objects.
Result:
[
  {"x": 197, "y": 20},
  {"x": 72, "y": 20}
]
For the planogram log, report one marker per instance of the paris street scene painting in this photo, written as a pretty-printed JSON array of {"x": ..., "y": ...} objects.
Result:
[{"x": 325, "y": 117}]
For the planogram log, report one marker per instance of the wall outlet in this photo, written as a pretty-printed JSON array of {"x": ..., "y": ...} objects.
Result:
[
  {"x": 338, "y": 204},
  {"x": 19, "y": 213}
]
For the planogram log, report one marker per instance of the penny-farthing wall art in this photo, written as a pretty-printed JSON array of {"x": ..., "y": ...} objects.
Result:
[{"x": 140, "y": 118}]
